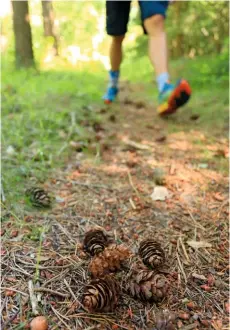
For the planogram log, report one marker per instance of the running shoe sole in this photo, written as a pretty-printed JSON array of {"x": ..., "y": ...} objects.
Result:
[{"x": 179, "y": 97}]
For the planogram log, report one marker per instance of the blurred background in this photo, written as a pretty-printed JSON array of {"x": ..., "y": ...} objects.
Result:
[{"x": 54, "y": 74}]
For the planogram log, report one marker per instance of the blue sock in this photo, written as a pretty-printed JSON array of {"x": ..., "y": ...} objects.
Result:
[
  {"x": 162, "y": 79},
  {"x": 113, "y": 78},
  {"x": 112, "y": 89}
]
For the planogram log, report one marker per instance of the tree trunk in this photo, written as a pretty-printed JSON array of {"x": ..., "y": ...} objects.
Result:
[
  {"x": 48, "y": 23},
  {"x": 22, "y": 34}
]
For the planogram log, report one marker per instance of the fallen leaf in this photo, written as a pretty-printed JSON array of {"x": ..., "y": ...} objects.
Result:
[
  {"x": 9, "y": 292},
  {"x": 136, "y": 145},
  {"x": 184, "y": 316},
  {"x": 2, "y": 232},
  {"x": 221, "y": 153},
  {"x": 191, "y": 305},
  {"x": 205, "y": 287},
  {"x": 211, "y": 280},
  {"x": 199, "y": 277},
  {"x": 14, "y": 233},
  {"x": 160, "y": 193},
  {"x": 227, "y": 307},
  {"x": 218, "y": 197},
  {"x": 199, "y": 244},
  {"x": 206, "y": 323}
]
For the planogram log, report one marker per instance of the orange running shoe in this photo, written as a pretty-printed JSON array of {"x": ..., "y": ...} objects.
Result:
[{"x": 173, "y": 96}]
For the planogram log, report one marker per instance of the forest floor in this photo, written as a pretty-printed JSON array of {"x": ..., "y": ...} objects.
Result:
[{"x": 110, "y": 185}]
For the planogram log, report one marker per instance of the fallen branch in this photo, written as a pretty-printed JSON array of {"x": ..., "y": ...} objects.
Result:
[
  {"x": 59, "y": 316},
  {"x": 33, "y": 299},
  {"x": 41, "y": 289}
]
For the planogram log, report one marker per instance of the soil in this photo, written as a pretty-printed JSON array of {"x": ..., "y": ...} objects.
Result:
[{"x": 111, "y": 186}]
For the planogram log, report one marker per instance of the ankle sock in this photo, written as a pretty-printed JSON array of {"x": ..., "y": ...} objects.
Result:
[
  {"x": 162, "y": 79},
  {"x": 113, "y": 78}
]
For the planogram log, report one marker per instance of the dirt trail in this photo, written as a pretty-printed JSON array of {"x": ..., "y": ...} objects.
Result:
[{"x": 113, "y": 189}]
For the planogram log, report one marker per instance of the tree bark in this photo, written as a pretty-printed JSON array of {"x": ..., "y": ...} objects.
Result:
[
  {"x": 48, "y": 23},
  {"x": 24, "y": 56}
]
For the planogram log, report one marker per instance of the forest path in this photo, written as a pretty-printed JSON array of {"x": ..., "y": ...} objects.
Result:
[{"x": 113, "y": 189}]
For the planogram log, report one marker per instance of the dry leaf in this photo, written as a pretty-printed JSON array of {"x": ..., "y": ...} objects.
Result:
[
  {"x": 199, "y": 244},
  {"x": 136, "y": 145},
  {"x": 160, "y": 193},
  {"x": 199, "y": 277}
]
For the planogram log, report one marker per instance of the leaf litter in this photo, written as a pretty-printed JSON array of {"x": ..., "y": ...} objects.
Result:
[{"x": 46, "y": 271}]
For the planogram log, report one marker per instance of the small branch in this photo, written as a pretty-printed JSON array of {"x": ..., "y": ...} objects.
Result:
[
  {"x": 184, "y": 249},
  {"x": 15, "y": 290},
  {"x": 72, "y": 294},
  {"x": 132, "y": 185},
  {"x": 195, "y": 222},
  {"x": 181, "y": 267},
  {"x": 33, "y": 299},
  {"x": 132, "y": 203},
  {"x": 41, "y": 289},
  {"x": 60, "y": 317},
  {"x": 4, "y": 325}
]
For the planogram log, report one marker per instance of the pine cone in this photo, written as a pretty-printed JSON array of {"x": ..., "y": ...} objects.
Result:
[
  {"x": 95, "y": 241},
  {"x": 147, "y": 285},
  {"x": 151, "y": 253},
  {"x": 101, "y": 295},
  {"x": 110, "y": 260},
  {"x": 164, "y": 320},
  {"x": 38, "y": 197}
]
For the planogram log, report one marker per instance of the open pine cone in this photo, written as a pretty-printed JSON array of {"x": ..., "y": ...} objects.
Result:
[
  {"x": 38, "y": 197},
  {"x": 151, "y": 253},
  {"x": 108, "y": 261},
  {"x": 95, "y": 241},
  {"x": 147, "y": 285},
  {"x": 101, "y": 295}
]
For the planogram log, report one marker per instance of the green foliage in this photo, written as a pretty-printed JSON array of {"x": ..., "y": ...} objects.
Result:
[
  {"x": 194, "y": 28},
  {"x": 41, "y": 113}
]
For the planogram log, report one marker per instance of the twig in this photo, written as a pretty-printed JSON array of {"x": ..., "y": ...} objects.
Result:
[
  {"x": 55, "y": 278},
  {"x": 59, "y": 316},
  {"x": 65, "y": 231},
  {"x": 132, "y": 185},
  {"x": 41, "y": 289},
  {"x": 92, "y": 185},
  {"x": 33, "y": 299},
  {"x": 221, "y": 207},
  {"x": 181, "y": 267},
  {"x": 184, "y": 249},
  {"x": 30, "y": 265},
  {"x": 132, "y": 203},
  {"x": 195, "y": 222},
  {"x": 4, "y": 325},
  {"x": 15, "y": 290},
  {"x": 72, "y": 294},
  {"x": 189, "y": 327}
]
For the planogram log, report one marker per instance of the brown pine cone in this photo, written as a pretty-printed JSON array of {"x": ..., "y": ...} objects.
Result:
[
  {"x": 38, "y": 197},
  {"x": 147, "y": 285},
  {"x": 95, "y": 241},
  {"x": 151, "y": 253},
  {"x": 108, "y": 261},
  {"x": 101, "y": 295}
]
